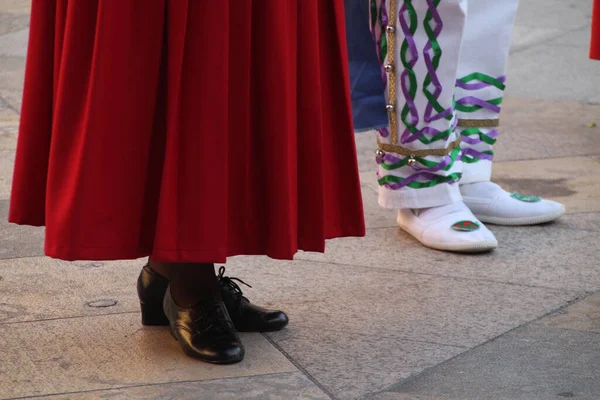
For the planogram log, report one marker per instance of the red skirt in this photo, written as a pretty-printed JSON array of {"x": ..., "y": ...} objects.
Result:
[
  {"x": 187, "y": 130},
  {"x": 595, "y": 45}
]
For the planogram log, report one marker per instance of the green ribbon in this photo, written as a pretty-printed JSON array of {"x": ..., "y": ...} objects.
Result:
[
  {"x": 412, "y": 77},
  {"x": 476, "y": 131},
  {"x": 429, "y": 164},
  {"x": 476, "y": 107},
  {"x": 421, "y": 185},
  {"x": 478, "y": 76},
  {"x": 435, "y": 61},
  {"x": 472, "y": 160}
]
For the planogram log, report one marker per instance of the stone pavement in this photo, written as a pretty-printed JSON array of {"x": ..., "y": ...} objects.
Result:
[{"x": 375, "y": 318}]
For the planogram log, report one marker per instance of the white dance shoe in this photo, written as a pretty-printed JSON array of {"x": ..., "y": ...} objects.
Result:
[
  {"x": 451, "y": 227},
  {"x": 492, "y": 204}
]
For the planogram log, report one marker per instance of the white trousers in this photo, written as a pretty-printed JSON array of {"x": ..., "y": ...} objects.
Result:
[{"x": 444, "y": 66}]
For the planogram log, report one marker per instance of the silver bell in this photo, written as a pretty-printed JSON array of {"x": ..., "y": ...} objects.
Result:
[
  {"x": 412, "y": 161},
  {"x": 390, "y": 107},
  {"x": 379, "y": 153}
]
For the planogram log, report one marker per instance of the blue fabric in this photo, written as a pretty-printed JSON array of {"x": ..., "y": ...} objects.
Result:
[{"x": 368, "y": 102}]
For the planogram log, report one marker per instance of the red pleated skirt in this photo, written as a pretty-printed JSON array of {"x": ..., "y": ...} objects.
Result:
[
  {"x": 187, "y": 130},
  {"x": 595, "y": 44}
]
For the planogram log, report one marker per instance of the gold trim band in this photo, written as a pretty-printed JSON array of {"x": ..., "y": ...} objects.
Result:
[
  {"x": 479, "y": 123},
  {"x": 391, "y": 32},
  {"x": 392, "y": 148}
]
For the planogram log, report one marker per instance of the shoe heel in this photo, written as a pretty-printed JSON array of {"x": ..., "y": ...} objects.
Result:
[{"x": 153, "y": 315}]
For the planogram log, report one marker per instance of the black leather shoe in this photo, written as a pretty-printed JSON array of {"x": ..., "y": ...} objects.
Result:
[
  {"x": 151, "y": 288},
  {"x": 204, "y": 331},
  {"x": 246, "y": 316}
]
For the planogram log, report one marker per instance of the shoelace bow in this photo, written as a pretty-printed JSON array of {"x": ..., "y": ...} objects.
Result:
[{"x": 229, "y": 282}]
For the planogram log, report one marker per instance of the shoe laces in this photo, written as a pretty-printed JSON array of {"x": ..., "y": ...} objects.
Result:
[
  {"x": 216, "y": 319},
  {"x": 230, "y": 284}
]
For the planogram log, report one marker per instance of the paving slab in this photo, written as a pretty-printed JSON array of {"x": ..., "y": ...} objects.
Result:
[
  {"x": 8, "y": 136},
  {"x": 540, "y": 66},
  {"x": 12, "y": 72},
  {"x": 559, "y": 14},
  {"x": 11, "y": 99},
  {"x": 572, "y": 181},
  {"x": 366, "y": 144},
  {"x": 282, "y": 386},
  {"x": 525, "y": 37},
  {"x": 41, "y": 288},
  {"x": 111, "y": 351},
  {"x": 422, "y": 308},
  {"x": 15, "y": 6},
  {"x": 589, "y": 222},
  {"x": 440, "y": 310},
  {"x": 18, "y": 241},
  {"x": 579, "y": 38},
  {"x": 7, "y": 161},
  {"x": 375, "y": 215},
  {"x": 582, "y": 316},
  {"x": 12, "y": 21},
  {"x": 561, "y": 257},
  {"x": 8, "y": 114},
  {"x": 350, "y": 365},
  {"x": 14, "y": 43},
  {"x": 559, "y": 129},
  {"x": 531, "y": 363},
  {"x": 432, "y": 318},
  {"x": 553, "y": 72}
]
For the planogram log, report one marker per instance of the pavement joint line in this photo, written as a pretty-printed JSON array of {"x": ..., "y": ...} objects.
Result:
[
  {"x": 300, "y": 367},
  {"x": 144, "y": 385},
  {"x": 67, "y": 318},
  {"x": 547, "y": 39},
  {"x": 5, "y": 103},
  {"x": 464, "y": 278},
  {"x": 568, "y": 329},
  {"x": 495, "y": 338},
  {"x": 595, "y": 158}
]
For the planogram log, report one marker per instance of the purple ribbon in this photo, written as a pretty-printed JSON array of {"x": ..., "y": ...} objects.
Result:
[
  {"x": 404, "y": 78},
  {"x": 474, "y": 101},
  {"x": 384, "y": 132},
  {"x": 409, "y": 137},
  {"x": 475, "y": 154},
  {"x": 412, "y": 178},
  {"x": 478, "y": 85}
]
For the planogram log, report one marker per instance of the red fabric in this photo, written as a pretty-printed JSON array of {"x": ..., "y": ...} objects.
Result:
[
  {"x": 595, "y": 45},
  {"x": 186, "y": 130}
]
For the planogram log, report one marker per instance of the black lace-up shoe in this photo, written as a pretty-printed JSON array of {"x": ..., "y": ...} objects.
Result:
[
  {"x": 204, "y": 331},
  {"x": 246, "y": 316}
]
